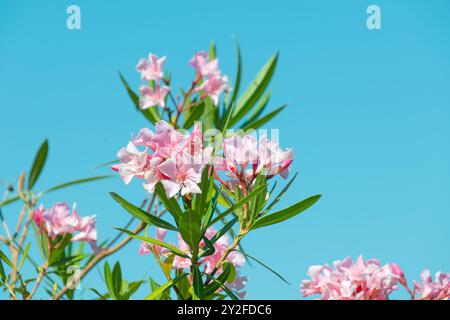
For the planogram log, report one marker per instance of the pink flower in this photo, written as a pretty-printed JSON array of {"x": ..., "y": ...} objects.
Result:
[
  {"x": 213, "y": 86},
  {"x": 145, "y": 248},
  {"x": 151, "y": 68},
  {"x": 439, "y": 289},
  {"x": 180, "y": 262},
  {"x": 244, "y": 159},
  {"x": 272, "y": 159},
  {"x": 180, "y": 176},
  {"x": 153, "y": 97},
  {"x": 58, "y": 221},
  {"x": 203, "y": 65},
  {"x": 238, "y": 285},
  {"x": 173, "y": 158},
  {"x": 348, "y": 280},
  {"x": 134, "y": 163}
]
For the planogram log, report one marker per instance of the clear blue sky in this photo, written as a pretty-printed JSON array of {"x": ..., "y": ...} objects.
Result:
[{"x": 368, "y": 116}]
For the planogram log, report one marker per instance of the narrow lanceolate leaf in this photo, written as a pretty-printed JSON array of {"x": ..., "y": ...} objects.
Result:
[
  {"x": 231, "y": 105},
  {"x": 287, "y": 213},
  {"x": 174, "y": 249},
  {"x": 160, "y": 290},
  {"x": 9, "y": 201},
  {"x": 262, "y": 104},
  {"x": 256, "y": 89},
  {"x": 280, "y": 195},
  {"x": 38, "y": 164},
  {"x": 265, "y": 266},
  {"x": 2, "y": 271},
  {"x": 170, "y": 204},
  {"x": 150, "y": 113},
  {"x": 237, "y": 205},
  {"x": 199, "y": 291},
  {"x": 261, "y": 121},
  {"x": 220, "y": 280},
  {"x": 206, "y": 183},
  {"x": 6, "y": 260},
  {"x": 24, "y": 256},
  {"x": 141, "y": 214},
  {"x": 109, "y": 280},
  {"x": 190, "y": 228},
  {"x": 117, "y": 279},
  {"x": 78, "y": 181}
]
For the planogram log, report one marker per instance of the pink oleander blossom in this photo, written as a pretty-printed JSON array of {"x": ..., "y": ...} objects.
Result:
[
  {"x": 213, "y": 86},
  {"x": 151, "y": 68},
  {"x": 244, "y": 158},
  {"x": 58, "y": 221},
  {"x": 145, "y": 248},
  {"x": 348, "y": 280},
  {"x": 439, "y": 289},
  {"x": 203, "y": 65},
  {"x": 153, "y": 97},
  {"x": 173, "y": 158}
]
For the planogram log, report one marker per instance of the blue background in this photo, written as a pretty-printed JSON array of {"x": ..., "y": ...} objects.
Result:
[{"x": 368, "y": 117}]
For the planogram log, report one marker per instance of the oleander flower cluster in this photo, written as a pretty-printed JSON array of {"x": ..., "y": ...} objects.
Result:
[
  {"x": 209, "y": 263},
  {"x": 429, "y": 289},
  {"x": 369, "y": 280},
  {"x": 177, "y": 159},
  {"x": 209, "y": 80},
  {"x": 244, "y": 158},
  {"x": 58, "y": 221},
  {"x": 168, "y": 156}
]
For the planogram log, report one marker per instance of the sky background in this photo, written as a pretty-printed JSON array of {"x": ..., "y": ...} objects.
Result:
[{"x": 368, "y": 117}]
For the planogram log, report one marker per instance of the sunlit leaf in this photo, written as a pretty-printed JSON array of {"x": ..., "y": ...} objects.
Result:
[
  {"x": 287, "y": 213},
  {"x": 141, "y": 214},
  {"x": 38, "y": 164}
]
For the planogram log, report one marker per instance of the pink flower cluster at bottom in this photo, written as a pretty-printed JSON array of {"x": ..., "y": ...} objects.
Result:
[
  {"x": 439, "y": 289},
  {"x": 368, "y": 280},
  {"x": 209, "y": 262},
  {"x": 348, "y": 280}
]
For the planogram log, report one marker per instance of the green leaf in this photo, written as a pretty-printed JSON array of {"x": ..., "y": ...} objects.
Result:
[
  {"x": 220, "y": 280},
  {"x": 194, "y": 114},
  {"x": 174, "y": 249},
  {"x": 212, "y": 51},
  {"x": 78, "y": 181},
  {"x": 231, "y": 106},
  {"x": 280, "y": 195},
  {"x": 237, "y": 205},
  {"x": 262, "y": 104},
  {"x": 38, "y": 164},
  {"x": 167, "y": 264},
  {"x": 287, "y": 213},
  {"x": 160, "y": 290},
  {"x": 206, "y": 184},
  {"x": 170, "y": 204},
  {"x": 260, "y": 122},
  {"x": 223, "y": 230},
  {"x": 150, "y": 113},
  {"x": 141, "y": 214},
  {"x": 190, "y": 229},
  {"x": 9, "y": 201},
  {"x": 6, "y": 260},
  {"x": 255, "y": 90},
  {"x": 109, "y": 281},
  {"x": 117, "y": 279},
  {"x": 24, "y": 256},
  {"x": 199, "y": 291},
  {"x": 2, "y": 271},
  {"x": 265, "y": 266},
  {"x": 133, "y": 287}
]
